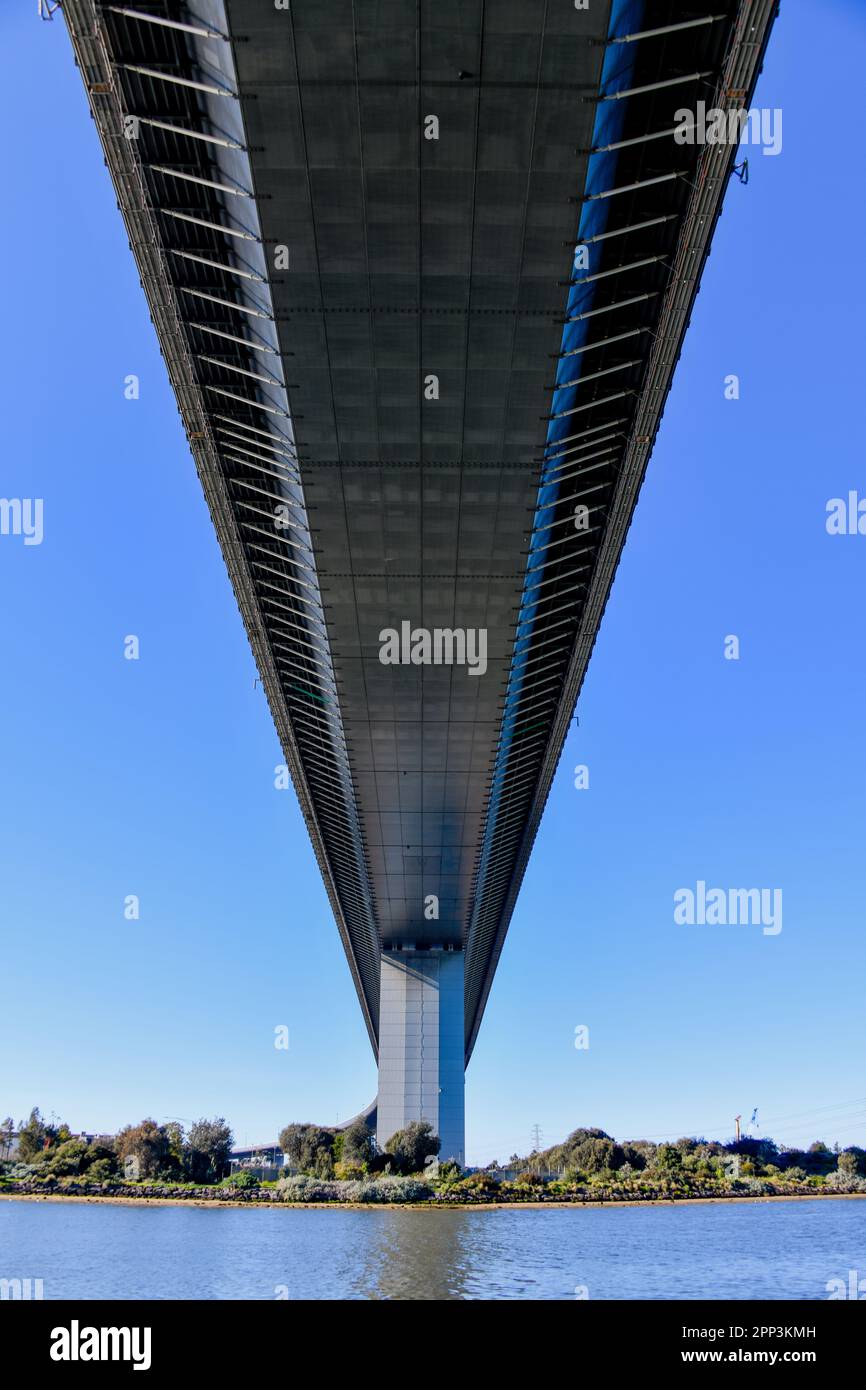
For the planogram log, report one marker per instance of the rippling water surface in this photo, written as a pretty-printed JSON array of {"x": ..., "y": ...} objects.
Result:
[{"x": 729, "y": 1250}]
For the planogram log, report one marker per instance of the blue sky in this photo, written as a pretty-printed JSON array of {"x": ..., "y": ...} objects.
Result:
[{"x": 156, "y": 777}]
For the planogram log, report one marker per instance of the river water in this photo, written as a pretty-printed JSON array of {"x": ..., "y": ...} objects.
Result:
[{"x": 743, "y": 1250}]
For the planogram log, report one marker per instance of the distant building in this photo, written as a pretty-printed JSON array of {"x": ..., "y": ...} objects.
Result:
[{"x": 267, "y": 1162}]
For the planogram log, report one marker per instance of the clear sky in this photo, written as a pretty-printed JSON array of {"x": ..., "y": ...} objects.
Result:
[{"x": 155, "y": 777}]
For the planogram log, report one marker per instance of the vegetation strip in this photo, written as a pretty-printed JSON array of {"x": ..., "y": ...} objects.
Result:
[{"x": 162, "y": 1163}]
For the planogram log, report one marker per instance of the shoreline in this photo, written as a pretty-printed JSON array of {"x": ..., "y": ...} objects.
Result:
[{"x": 429, "y": 1205}]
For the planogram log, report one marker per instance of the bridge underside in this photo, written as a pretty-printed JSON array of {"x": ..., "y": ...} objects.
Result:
[{"x": 416, "y": 405}]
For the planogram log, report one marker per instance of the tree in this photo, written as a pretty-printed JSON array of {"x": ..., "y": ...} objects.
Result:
[
  {"x": 597, "y": 1156},
  {"x": 634, "y": 1157},
  {"x": 323, "y": 1164},
  {"x": 309, "y": 1148},
  {"x": 173, "y": 1163},
  {"x": 587, "y": 1150},
  {"x": 66, "y": 1160},
  {"x": 668, "y": 1159},
  {"x": 146, "y": 1142},
  {"x": 579, "y": 1136},
  {"x": 208, "y": 1147},
  {"x": 820, "y": 1158},
  {"x": 359, "y": 1144},
  {"x": 100, "y": 1161},
  {"x": 792, "y": 1158},
  {"x": 35, "y": 1135},
  {"x": 290, "y": 1140},
  {"x": 759, "y": 1151},
  {"x": 852, "y": 1162},
  {"x": 640, "y": 1153},
  {"x": 410, "y": 1147}
]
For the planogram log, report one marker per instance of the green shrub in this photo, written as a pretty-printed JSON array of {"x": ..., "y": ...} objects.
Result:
[
  {"x": 842, "y": 1181},
  {"x": 300, "y": 1188},
  {"x": 449, "y": 1171},
  {"x": 852, "y": 1162},
  {"x": 389, "y": 1189},
  {"x": 561, "y": 1187},
  {"x": 102, "y": 1170},
  {"x": 531, "y": 1180},
  {"x": 473, "y": 1185},
  {"x": 242, "y": 1180},
  {"x": 349, "y": 1172},
  {"x": 20, "y": 1172},
  {"x": 65, "y": 1160}
]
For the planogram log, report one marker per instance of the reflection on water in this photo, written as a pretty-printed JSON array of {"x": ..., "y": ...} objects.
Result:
[
  {"x": 730, "y": 1250},
  {"x": 463, "y": 1254}
]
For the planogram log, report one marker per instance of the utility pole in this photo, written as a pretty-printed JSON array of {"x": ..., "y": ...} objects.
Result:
[
  {"x": 536, "y": 1138},
  {"x": 737, "y": 1119}
]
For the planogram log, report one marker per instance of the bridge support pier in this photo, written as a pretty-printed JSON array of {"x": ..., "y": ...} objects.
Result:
[{"x": 421, "y": 1046}]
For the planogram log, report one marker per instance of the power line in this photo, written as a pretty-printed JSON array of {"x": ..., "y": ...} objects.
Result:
[
  {"x": 804, "y": 1116},
  {"x": 851, "y": 1120},
  {"x": 844, "y": 1105}
]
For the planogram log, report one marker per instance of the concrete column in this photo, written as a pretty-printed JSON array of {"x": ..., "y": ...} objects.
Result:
[{"x": 421, "y": 1046}]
